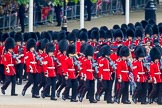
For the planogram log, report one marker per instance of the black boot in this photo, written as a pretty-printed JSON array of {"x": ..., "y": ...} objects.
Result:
[{"x": 23, "y": 92}]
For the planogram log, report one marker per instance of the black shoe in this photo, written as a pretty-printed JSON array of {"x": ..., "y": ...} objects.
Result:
[
  {"x": 58, "y": 94},
  {"x": 144, "y": 103},
  {"x": 150, "y": 101},
  {"x": 63, "y": 97},
  {"x": 42, "y": 94},
  {"x": 110, "y": 102},
  {"x": 94, "y": 101},
  {"x": 88, "y": 20},
  {"x": 73, "y": 100},
  {"x": 47, "y": 95},
  {"x": 14, "y": 94},
  {"x": 80, "y": 99},
  {"x": 97, "y": 97},
  {"x": 3, "y": 91},
  {"x": 58, "y": 25},
  {"x": 134, "y": 100},
  {"x": 53, "y": 99},
  {"x": 35, "y": 96},
  {"x": 118, "y": 100},
  {"x": 127, "y": 102},
  {"x": 23, "y": 92},
  {"x": 69, "y": 97}
]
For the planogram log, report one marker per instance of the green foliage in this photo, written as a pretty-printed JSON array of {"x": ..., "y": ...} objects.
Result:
[{"x": 23, "y": 2}]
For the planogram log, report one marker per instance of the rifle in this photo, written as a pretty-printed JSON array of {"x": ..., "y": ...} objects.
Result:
[
  {"x": 129, "y": 64},
  {"x": 76, "y": 62},
  {"x": 38, "y": 57},
  {"x": 15, "y": 57},
  {"x": 95, "y": 65},
  {"x": 112, "y": 64},
  {"x": 57, "y": 61}
]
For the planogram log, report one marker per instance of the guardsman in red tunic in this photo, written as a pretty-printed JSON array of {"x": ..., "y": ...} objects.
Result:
[
  {"x": 123, "y": 69},
  {"x": 155, "y": 34},
  {"x": 139, "y": 36},
  {"x": 9, "y": 66},
  {"x": 140, "y": 75},
  {"x": 89, "y": 74},
  {"x": 105, "y": 72},
  {"x": 42, "y": 53},
  {"x": 49, "y": 71},
  {"x": 31, "y": 69},
  {"x": 118, "y": 36},
  {"x": 148, "y": 34},
  {"x": 20, "y": 51},
  {"x": 130, "y": 37},
  {"x": 71, "y": 74},
  {"x": 63, "y": 45},
  {"x": 156, "y": 75}
]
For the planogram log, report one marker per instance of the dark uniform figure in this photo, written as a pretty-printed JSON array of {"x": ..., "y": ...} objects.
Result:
[
  {"x": 21, "y": 14},
  {"x": 9, "y": 62},
  {"x": 123, "y": 2},
  {"x": 58, "y": 14},
  {"x": 88, "y": 3}
]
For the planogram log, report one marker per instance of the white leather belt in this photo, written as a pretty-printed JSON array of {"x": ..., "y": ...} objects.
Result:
[
  {"x": 89, "y": 70},
  {"x": 125, "y": 71},
  {"x": 33, "y": 62},
  {"x": 106, "y": 69},
  {"x": 158, "y": 73},
  {"x": 71, "y": 69},
  {"x": 141, "y": 73},
  {"x": 50, "y": 67},
  {"x": 10, "y": 65}
]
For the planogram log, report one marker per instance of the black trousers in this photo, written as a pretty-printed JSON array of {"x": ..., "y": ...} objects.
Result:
[
  {"x": 2, "y": 75},
  {"x": 89, "y": 8},
  {"x": 59, "y": 81},
  {"x": 8, "y": 80},
  {"x": 51, "y": 81},
  {"x": 33, "y": 79},
  {"x": 71, "y": 83},
  {"x": 22, "y": 18},
  {"x": 156, "y": 92},
  {"x": 141, "y": 91},
  {"x": 90, "y": 87},
  {"x": 123, "y": 5},
  {"x": 58, "y": 14},
  {"x": 123, "y": 91},
  {"x": 42, "y": 81},
  {"x": 80, "y": 86},
  {"x": 108, "y": 89},
  {"x": 63, "y": 84},
  {"x": 19, "y": 72}
]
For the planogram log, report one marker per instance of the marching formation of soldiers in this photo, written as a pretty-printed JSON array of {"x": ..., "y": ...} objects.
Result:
[{"x": 125, "y": 60}]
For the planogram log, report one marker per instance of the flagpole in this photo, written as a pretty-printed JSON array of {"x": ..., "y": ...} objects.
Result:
[
  {"x": 31, "y": 16},
  {"x": 127, "y": 12},
  {"x": 81, "y": 14}
]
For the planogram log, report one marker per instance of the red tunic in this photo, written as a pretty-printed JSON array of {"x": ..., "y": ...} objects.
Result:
[
  {"x": 9, "y": 64},
  {"x": 21, "y": 56}
]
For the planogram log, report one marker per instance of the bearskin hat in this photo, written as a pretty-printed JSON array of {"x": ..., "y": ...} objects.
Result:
[
  {"x": 76, "y": 32},
  {"x": 156, "y": 42},
  {"x": 55, "y": 35},
  {"x": 30, "y": 43},
  {"x": 124, "y": 51},
  {"x": 124, "y": 30},
  {"x": 140, "y": 51},
  {"x": 102, "y": 33},
  {"x": 63, "y": 45},
  {"x": 131, "y": 26},
  {"x": 38, "y": 45},
  {"x": 95, "y": 34},
  {"x": 130, "y": 33},
  {"x": 103, "y": 28},
  {"x": 5, "y": 36},
  {"x": 18, "y": 37},
  {"x": 148, "y": 30},
  {"x": 89, "y": 51},
  {"x": 118, "y": 50},
  {"x": 34, "y": 36},
  {"x": 26, "y": 37},
  {"x": 47, "y": 35},
  {"x": 109, "y": 34},
  {"x": 61, "y": 35},
  {"x": 155, "y": 53},
  {"x": 9, "y": 43},
  {"x": 105, "y": 50},
  {"x": 12, "y": 34},
  {"x": 116, "y": 27},
  {"x": 71, "y": 49},
  {"x": 155, "y": 29},
  {"x": 83, "y": 36},
  {"x": 160, "y": 29},
  {"x": 138, "y": 33},
  {"x": 151, "y": 22},
  {"x": 144, "y": 23},
  {"x": 38, "y": 35},
  {"x": 124, "y": 26},
  {"x": 138, "y": 24},
  {"x": 118, "y": 33},
  {"x": 71, "y": 37},
  {"x": 50, "y": 47},
  {"x": 43, "y": 43},
  {"x": 83, "y": 47}
]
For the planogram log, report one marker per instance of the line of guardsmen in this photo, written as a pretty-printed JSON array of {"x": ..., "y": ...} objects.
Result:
[{"x": 124, "y": 60}]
